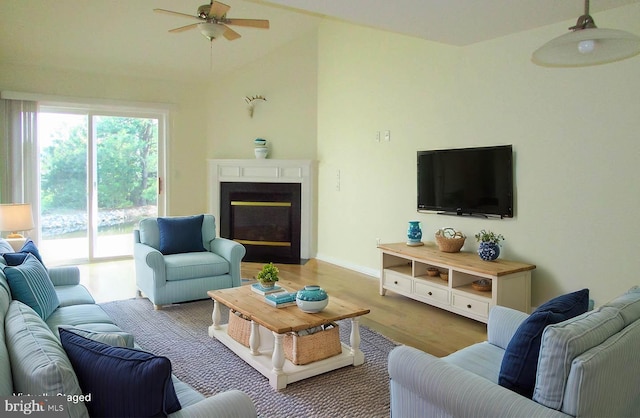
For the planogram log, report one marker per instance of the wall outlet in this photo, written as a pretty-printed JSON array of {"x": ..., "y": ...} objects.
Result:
[{"x": 378, "y": 136}]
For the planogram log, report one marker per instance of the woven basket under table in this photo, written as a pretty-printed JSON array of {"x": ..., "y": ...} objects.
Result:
[
  {"x": 313, "y": 347},
  {"x": 298, "y": 349},
  {"x": 239, "y": 329}
]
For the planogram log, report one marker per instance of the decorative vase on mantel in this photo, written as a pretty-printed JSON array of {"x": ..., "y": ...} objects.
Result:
[
  {"x": 414, "y": 234},
  {"x": 260, "y": 148}
]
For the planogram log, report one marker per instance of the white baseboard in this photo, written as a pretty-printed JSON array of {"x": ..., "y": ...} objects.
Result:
[{"x": 375, "y": 274}]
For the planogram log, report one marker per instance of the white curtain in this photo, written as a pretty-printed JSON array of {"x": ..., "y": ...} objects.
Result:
[{"x": 19, "y": 179}]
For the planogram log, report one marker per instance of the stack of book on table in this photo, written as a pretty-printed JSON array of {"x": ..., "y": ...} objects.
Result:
[
  {"x": 281, "y": 299},
  {"x": 275, "y": 296}
]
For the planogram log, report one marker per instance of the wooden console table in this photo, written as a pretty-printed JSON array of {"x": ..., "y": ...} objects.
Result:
[{"x": 404, "y": 271}]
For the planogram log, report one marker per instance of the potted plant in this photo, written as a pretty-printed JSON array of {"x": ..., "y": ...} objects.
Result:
[
  {"x": 268, "y": 276},
  {"x": 489, "y": 248}
]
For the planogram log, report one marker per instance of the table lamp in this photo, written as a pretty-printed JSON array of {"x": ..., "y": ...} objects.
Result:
[{"x": 15, "y": 217}]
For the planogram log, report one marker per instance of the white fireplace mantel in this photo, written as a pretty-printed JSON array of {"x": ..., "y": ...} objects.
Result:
[{"x": 268, "y": 171}]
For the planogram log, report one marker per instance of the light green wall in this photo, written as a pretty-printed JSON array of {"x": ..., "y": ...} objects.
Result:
[
  {"x": 287, "y": 78},
  {"x": 574, "y": 133},
  {"x": 187, "y": 139},
  {"x": 207, "y": 120}
]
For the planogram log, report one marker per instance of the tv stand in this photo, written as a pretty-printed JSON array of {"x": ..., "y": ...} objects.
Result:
[{"x": 404, "y": 271}]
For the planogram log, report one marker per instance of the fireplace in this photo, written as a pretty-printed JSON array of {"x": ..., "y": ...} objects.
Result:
[
  {"x": 269, "y": 209},
  {"x": 264, "y": 217}
]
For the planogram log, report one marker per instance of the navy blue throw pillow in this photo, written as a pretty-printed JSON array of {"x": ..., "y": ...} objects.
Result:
[
  {"x": 14, "y": 259},
  {"x": 122, "y": 382},
  {"x": 181, "y": 234},
  {"x": 17, "y": 258},
  {"x": 520, "y": 361},
  {"x": 30, "y": 247}
]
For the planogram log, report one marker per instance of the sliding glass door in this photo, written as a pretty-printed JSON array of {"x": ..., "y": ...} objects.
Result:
[
  {"x": 125, "y": 180},
  {"x": 99, "y": 175}
]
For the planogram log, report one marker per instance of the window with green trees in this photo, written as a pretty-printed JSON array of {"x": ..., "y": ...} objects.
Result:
[
  {"x": 127, "y": 167},
  {"x": 98, "y": 177}
]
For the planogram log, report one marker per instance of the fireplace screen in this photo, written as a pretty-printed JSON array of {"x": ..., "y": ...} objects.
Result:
[
  {"x": 264, "y": 217},
  {"x": 262, "y": 223}
]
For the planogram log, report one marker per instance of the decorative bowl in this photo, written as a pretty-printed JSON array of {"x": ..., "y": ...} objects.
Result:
[
  {"x": 444, "y": 276},
  {"x": 482, "y": 285},
  {"x": 433, "y": 272},
  {"x": 312, "y": 299},
  {"x": 259, "y": 141}
]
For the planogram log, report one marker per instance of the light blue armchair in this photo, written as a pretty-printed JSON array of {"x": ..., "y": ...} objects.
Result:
[{"x": 184, "y": 276}]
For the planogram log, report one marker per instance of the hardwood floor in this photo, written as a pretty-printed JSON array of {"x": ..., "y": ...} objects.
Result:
[{"x": 399, "y": 318}]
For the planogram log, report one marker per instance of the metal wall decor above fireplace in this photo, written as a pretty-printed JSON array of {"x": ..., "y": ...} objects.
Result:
[{"x": 264, "y": 217}]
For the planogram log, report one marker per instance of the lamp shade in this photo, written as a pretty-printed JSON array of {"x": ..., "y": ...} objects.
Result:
[
  {"x": 590, "y": 46},
  {"x": 211, "y": 30},
  {"x": 16, "y": 217}
]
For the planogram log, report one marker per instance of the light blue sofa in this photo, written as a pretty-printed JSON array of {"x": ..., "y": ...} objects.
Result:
[
  {"x": 32, "y": 360},
  {"x": 588, "y": 366},
  {"x": 175, "y": 278}
]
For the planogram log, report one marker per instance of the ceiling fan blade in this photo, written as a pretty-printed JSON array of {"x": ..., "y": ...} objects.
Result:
[
  {"x": 218, "y": 9},
  {"x": 183, "y": 28},
  {"x": 251, "y": 23},
  {"x": 176, "y": 13},
  {"x": 230, "y": 34}
]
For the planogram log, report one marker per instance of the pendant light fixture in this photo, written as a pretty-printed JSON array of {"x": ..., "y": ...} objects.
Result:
[{"x": 586, "y": 44}]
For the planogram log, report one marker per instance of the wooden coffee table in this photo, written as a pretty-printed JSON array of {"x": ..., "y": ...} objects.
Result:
[{"x": 269, "y": 325}]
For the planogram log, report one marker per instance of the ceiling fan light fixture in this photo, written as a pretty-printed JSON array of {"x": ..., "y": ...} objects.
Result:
[
  {"x": 211, "y": 30},
  {"x": 587, "y": 45},
  {"x": 213, "y": 21}
]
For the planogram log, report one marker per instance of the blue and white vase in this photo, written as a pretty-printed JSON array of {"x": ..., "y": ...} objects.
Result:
[
  {"x": 414, "y": 233},
  {"x": 489, "y": 251},
  {"x": 312, "y": 299},
  {"x": 261, "y": 149}
]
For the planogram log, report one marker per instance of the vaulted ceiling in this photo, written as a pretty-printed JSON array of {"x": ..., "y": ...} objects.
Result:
[
  {"x": 127, "y": 37},
  {"x": 454, "y": 22}
]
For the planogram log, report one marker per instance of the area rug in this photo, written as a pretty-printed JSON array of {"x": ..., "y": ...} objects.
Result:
[{"x": 179, "y": 332}]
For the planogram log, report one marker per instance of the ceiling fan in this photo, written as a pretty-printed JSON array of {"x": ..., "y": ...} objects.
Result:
[{"x": 213, "y": 21}]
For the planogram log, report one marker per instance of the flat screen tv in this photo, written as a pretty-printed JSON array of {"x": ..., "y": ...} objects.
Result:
[{"x": 467, "y": 181}]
